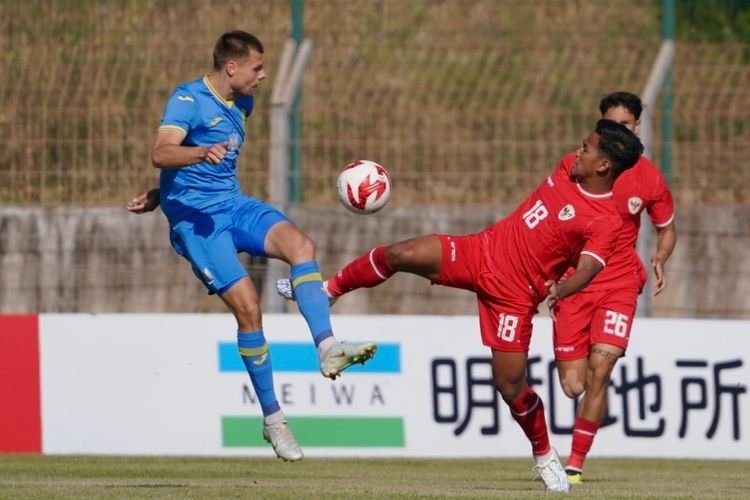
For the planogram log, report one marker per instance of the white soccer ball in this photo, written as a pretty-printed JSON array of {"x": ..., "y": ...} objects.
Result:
[{"x": 364, "y": 187}]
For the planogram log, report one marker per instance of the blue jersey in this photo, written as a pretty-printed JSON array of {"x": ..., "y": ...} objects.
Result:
[{"x": 197, "y": 109}]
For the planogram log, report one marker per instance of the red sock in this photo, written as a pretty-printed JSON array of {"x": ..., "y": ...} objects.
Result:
[
  {"x": 366, "y": 271},
  {"x": 584, "y": 432},
  {"x": 528, "y": 411}
]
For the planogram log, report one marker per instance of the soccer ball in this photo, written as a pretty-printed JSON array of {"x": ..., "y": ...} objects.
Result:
[{"x": 364, "y": 187}]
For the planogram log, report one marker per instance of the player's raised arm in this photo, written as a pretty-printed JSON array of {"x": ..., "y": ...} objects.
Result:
[{"x": 168, "y": 151}]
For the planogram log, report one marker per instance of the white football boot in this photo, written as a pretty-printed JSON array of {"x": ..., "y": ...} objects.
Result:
[
  {"x": 284, "y": 288},
  {"x": 342, "y": 355},
  {"x": 553, "y": 474},
  {"x": 282, "y": 440}
]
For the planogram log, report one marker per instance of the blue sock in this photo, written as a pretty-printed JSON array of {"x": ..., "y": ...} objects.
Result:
[
  {"x": 257, "y": 359},
  {"x": 312, "y": 300}
]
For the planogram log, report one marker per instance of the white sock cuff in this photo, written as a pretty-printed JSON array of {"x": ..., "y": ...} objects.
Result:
[{"x": 274, "y": 418}]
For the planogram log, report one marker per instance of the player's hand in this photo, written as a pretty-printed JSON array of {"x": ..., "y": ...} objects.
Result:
[
  {"x": 552, "y": 294},
  {"x": 657, "y": 264},
  {"x": 216, "y": 153},
  {"x": 144, "y": 202}
]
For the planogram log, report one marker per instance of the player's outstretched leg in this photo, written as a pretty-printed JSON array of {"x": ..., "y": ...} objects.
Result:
[
  {"x": 342, "y": 355},
  {"x": 366, "y": 271},
  {"x": 334, "y": 356},
  {"x": 285, "y": 289}
]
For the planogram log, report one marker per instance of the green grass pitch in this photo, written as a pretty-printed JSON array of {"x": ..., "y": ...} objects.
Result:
[{"x": 78, "y": 477}]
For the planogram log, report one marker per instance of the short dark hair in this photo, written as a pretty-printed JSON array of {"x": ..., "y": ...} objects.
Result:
[
  {"x": 621, "y": 146},
  {"x": 234, "y": 45},
  {"x": 629, "y": 101}
]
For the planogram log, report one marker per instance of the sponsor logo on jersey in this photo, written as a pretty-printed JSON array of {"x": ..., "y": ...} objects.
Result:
[
  {"x": 185, "y": 98},
  {"x": 564, "y": 348},
  {"x": 215, "y": 121},
  {"x": 550, "y": 182},
  {"x": 567, "y": 213},
  {"x": 634, "y": 205}
]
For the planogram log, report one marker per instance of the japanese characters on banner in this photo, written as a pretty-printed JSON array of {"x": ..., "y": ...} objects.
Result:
[{"x": 174, "y": 385}]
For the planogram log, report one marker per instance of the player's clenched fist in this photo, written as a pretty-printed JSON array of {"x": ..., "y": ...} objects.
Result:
[{"x": 216, "y": 153}]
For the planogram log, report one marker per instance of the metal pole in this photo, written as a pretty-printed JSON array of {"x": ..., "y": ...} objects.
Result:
[
  {"x": 278, "y": 176},
  {"x": 294, "y": 58},
  {"x": 668, "y": 33},
  {"x": 659, "y": 78},
  {"x": 295, "y": 120}
]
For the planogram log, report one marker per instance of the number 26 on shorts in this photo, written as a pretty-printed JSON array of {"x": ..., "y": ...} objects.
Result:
[{"x": 616, "y": 324}]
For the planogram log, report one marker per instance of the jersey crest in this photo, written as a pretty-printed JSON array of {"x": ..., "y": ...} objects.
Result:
[
  {"x": 567, "y": 212},
  {"x": 233, "y": 143},
  {"x": 634, "y": 205}
]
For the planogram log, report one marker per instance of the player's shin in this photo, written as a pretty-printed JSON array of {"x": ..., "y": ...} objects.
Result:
[
  {"x": 528, "y": 411},
  {"x": 584, "y": 432},
  {"x": 366, "y": 271},
  {"x": 257, "y": 360},
  {"x": 312, "y": 301}
]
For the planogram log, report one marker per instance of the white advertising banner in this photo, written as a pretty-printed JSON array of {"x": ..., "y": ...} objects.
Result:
[{"x": 175, "y": 385}]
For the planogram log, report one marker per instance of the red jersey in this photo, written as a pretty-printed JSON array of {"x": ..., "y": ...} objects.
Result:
[
  {"x": 547, "y": 233},
  {"x": 639, "y": 188}
]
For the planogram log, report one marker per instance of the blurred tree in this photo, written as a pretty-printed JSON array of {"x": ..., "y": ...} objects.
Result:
[{"x": 714, "y": 21}]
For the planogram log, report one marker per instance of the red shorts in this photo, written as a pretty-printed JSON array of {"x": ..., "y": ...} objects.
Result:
[
  {"x": 593, "y": 317},
  {"x": 506, "y": 302}
]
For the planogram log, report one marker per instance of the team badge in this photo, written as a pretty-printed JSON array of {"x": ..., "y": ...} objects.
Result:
[
  {"x": 233, "y": 142},
  {"x": 567, "y": 213},
  {"x": 634, "y": 205}
]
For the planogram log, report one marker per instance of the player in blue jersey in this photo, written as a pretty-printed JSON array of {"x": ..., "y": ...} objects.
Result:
[{"x": 210, "y": 220}]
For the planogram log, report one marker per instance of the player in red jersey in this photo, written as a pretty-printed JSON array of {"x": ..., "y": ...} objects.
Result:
[
  {"x": 592, "y": 327},
  {"x": 514, "y": 264}
]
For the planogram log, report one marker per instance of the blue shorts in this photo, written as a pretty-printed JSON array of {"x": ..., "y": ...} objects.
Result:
[{"x": 210, "y": 240}]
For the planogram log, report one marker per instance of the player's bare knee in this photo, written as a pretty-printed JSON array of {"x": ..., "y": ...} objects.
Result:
[
  {"x": 248, "y": 315},
  {"x": 599, "y": 379},
  {"x": 572, "y": 382},
  {"x": 402, "y": 254},
  {"x": 306, "y": 247},
  {"x": 509, "y": 390},
  {"x": 299, "y": 248},
  {"x": 397, "y": 254},
  {"x": 572, "y": 389}
]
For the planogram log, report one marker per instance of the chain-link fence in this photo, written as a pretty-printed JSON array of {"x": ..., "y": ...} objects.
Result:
[{"x": 469, "y": 104}]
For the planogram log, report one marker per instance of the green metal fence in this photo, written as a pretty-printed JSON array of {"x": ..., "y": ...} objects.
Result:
[{"x": 466, "y": 102}]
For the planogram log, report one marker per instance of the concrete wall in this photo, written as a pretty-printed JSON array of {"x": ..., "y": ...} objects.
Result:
[{"x": 106, "y": 260}]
